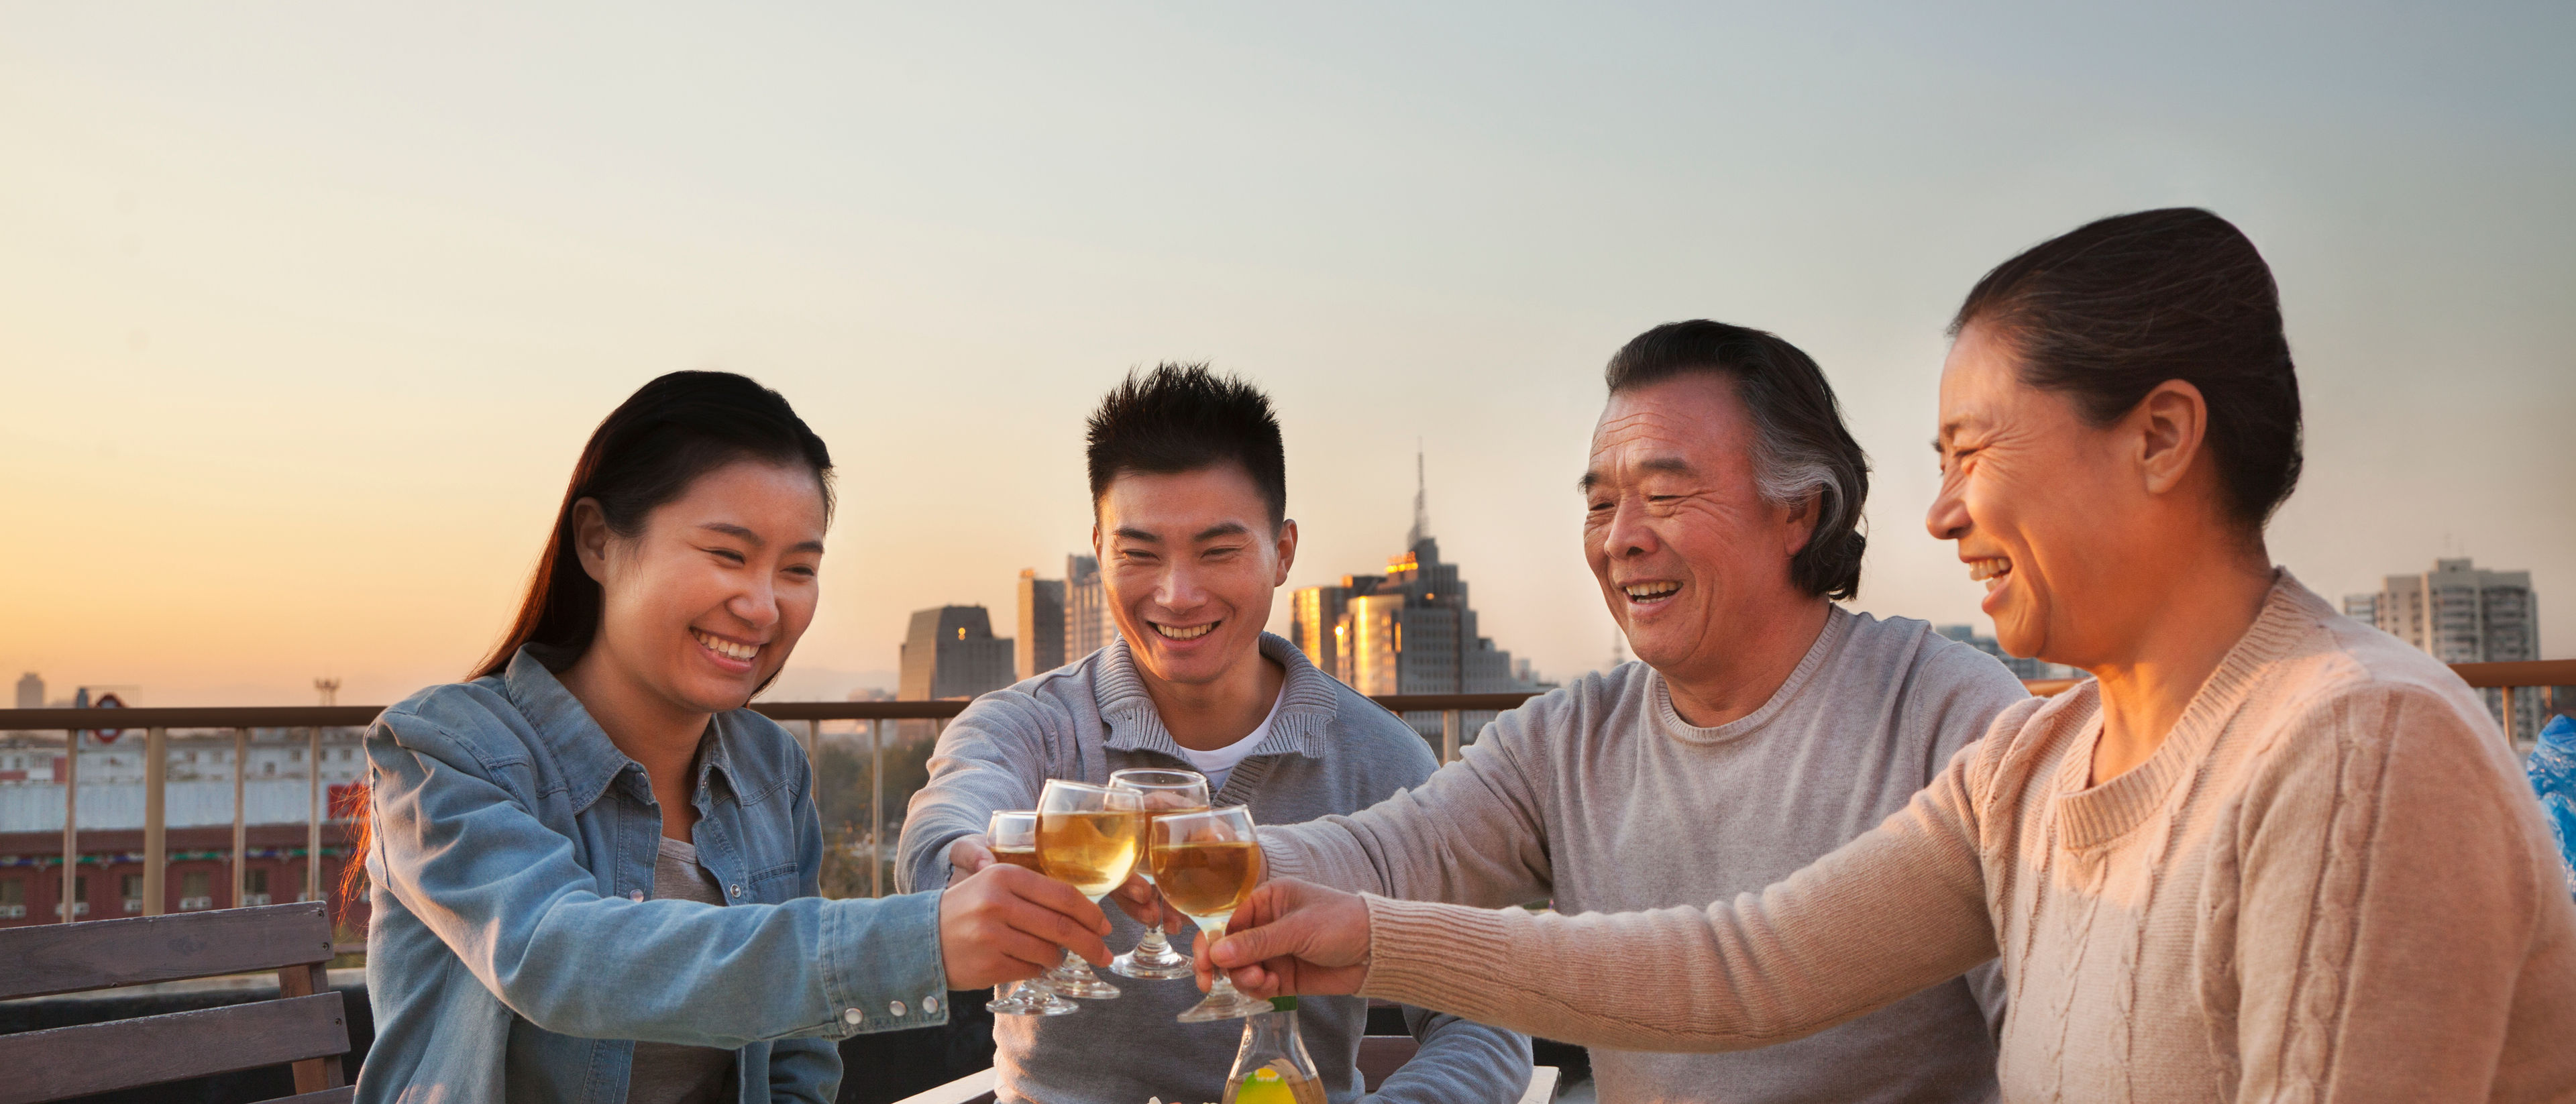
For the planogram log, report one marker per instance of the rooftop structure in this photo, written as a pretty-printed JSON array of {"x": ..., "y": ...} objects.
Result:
[
  {"x": 1040, "y": 645},
  {"x": 951, "y": 652},
  {"x": 2462, "y": 613},
  {"x": 1408, "y": 631}
]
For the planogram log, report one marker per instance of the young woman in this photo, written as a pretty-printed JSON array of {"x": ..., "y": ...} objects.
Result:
[
  {"x": 2267, "y": 853},
  {"x": 593, "y": 870}
]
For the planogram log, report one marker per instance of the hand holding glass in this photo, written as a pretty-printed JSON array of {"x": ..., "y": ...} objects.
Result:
[
  {"x": 1013, "y": 838},
  {"x": 1088, "y": 838},
  {"x": 1205, "y": 864},
  {"x": 1164, "y": 792}
]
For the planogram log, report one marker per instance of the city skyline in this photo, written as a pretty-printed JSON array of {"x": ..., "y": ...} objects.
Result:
[{"x": 312, "y": 308}]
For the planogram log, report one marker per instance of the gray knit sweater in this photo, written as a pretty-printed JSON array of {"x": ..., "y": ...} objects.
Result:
[
  {"x": 1328, "y": 750},
  {"x": 1601, "y": 798}
]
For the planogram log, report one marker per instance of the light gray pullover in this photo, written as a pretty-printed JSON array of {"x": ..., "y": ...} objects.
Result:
[
  {"x": 1328, "y": 750},
  {"x": 1601, "y": 797}
]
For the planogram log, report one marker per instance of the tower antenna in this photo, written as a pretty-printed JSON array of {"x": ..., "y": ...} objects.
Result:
[
  {"x": 1421, "y": 499},
  {"x": 329, "y": 688}
]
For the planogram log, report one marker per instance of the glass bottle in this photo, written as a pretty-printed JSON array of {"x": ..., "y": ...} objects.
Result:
[{"x": 1272, "y": 1067}]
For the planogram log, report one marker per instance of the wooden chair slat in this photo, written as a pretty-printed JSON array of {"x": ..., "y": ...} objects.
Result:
[
  {"x": 103, "y": 954},
  {"x": 76, "y": 1061},
  {"x": 312, "y": 1074}
]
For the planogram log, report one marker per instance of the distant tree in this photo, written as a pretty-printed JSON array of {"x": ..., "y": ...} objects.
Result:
[{"x": 841, "y": 790}]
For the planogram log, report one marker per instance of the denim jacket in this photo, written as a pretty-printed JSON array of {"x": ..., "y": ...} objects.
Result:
[{"x": 514, "y": 954}]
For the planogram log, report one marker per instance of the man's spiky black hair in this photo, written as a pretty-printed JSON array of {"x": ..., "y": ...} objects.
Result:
[{"x": 1185, "y": 417}]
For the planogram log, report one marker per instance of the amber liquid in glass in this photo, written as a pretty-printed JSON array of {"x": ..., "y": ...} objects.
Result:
[
  {"x": 1150, "y": 814},
  {"x": 1026, "y": 858},
  {"x": 1207, "y": 879},
  {"x": 1092, "y": 852}
]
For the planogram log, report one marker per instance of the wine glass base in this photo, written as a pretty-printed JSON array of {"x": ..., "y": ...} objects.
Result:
[
  {"x": 1224, "y": 1006},
  {"x": 1173, "y": 966},
  {"x": 1031, "y": 999},
  {"x": 1086, "y": 985}
]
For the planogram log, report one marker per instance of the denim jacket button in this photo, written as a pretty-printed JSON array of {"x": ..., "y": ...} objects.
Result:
[
  {"x": 929, "y": 1006},
  {"x": 737, "y": 891},
  {"x": 895, "y": 1007},
  {"x": 851, "y": 1016},
  {"x": 634, "y": 895}
]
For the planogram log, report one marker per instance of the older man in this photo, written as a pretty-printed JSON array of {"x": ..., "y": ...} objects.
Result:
[{"x": 1763, "y": 727}]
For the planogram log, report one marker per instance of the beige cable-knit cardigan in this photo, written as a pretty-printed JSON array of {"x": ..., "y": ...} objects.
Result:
[{"x": 2330, "y": 883}]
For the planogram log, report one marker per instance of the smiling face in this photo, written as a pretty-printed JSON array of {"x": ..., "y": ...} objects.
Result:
[
  {"x": 1190, "y": 565},
  {"x": 1687, "y": 551},
  {"x": 2047, "y": 510},
  {"x": 704, "y": 604}
]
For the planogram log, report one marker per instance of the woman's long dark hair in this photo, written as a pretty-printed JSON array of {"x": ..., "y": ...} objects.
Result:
[{"x": 644, "y": 454}]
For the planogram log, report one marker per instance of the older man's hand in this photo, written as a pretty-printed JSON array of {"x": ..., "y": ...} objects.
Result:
[
  {"x": 1292, "y": 937},
  {"x": 1007, "y": 924}
]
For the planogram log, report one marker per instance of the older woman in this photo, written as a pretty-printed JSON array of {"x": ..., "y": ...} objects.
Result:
[{"x": 2265, "y": 853}]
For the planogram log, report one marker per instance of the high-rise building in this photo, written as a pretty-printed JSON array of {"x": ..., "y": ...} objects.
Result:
[
  {"x": 1409, "y": 631},
  {"x": 1088, "y": 627},
  {"x": 951, "y": 652},
  {"x": 1042, "y": 637},
  {"x": 31, "y": 691},
  {"x": 2461, "y": 613}
]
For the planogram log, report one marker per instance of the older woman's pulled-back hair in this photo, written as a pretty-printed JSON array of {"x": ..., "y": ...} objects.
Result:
[
  {"x": 2108, "y": 311},
  {"x": 1800, "y": 449}
]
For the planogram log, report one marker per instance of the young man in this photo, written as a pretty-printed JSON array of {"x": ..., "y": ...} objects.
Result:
[
  {"x": 1189, "y": 501},
  {"x": 1761, "y": 727}
]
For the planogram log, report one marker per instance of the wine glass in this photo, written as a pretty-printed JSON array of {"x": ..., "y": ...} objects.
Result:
[
  {"x": 1206, "y": 864},
  {"x": 1088, "y": 838},
  {"x": 1013, "y": 838},
  {"x": 1165, "y": 791}
]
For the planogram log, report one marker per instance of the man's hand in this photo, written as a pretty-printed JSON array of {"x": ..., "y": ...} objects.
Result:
[
  {"x": 1138, "y": 899},
  {"x": 1008, "y": 924},
  {"x": 969, "y": 856},
  {"x": 1293, "y": 937}
]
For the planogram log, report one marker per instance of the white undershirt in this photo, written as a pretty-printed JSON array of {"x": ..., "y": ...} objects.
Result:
[{"x": 1218, "y": 764}]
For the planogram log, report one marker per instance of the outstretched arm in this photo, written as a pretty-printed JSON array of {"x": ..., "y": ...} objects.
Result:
[
  {"x": 1474, "y": 833},
  {"x": 506, "y": 895},
  {"x": 1897, "y": 909}
]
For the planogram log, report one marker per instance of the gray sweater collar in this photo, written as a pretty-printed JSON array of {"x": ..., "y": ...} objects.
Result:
[{"x": 1307, "y": 703}]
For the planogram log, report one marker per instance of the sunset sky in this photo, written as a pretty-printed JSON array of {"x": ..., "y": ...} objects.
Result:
[{"x": 305, "y": 309}]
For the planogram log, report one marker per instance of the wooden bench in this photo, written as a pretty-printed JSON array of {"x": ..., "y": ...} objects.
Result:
[{"x": 305, "y": 1025}]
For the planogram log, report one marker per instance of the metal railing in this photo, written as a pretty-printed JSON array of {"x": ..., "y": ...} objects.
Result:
[{"x": 158, "y": 722}]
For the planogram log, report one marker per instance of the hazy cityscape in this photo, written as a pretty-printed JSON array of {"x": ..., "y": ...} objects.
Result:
[{"x": 312, "y": 309}]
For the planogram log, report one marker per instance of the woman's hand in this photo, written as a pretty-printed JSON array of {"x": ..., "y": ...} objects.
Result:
[
  {"x": 1007, "y": 924},
  {"x": 1293, "y": 937}
]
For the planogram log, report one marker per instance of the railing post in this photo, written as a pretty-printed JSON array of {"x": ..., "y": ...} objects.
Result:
[
  {"x": 241, "y": 768},
  {"x": 71, "y": 822},
  {"x": 156, "y": 820},
  {"x": 1448, "y": 736},
  {"x": 876, "y": 805},
  {"x": 313, "y": 814},
  {"x": 2508, "y": 718}
]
